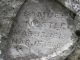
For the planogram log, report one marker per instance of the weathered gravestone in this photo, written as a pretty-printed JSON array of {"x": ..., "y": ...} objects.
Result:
[{"x": 42, "y": 30}]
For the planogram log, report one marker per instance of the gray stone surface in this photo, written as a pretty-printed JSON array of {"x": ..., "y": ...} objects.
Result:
[
  {"x": 8, "y": 11},
  {"x": 41, "y": 29},
  {"x": 74, "y": 6}
]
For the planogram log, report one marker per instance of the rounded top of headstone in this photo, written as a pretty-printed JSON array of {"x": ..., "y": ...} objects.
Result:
[{"x": 43, "y": 29}]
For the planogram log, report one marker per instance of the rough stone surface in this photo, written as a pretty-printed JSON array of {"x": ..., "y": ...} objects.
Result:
[
  {"x": 8, "y": 10},
  {"x": 74, "y": 5},
  {"x": 41, "y": 29}
]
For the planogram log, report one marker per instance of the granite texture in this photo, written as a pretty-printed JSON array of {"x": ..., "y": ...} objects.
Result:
[
  {"x": 9, "y": 9},
  {"x": 74, "y": 6}
]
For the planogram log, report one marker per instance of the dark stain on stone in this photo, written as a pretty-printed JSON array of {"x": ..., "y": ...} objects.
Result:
[{"x": 77, "y": 32}]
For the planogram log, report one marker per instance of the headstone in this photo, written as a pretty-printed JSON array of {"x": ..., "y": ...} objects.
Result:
[{"x": 41, "y": 29}]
